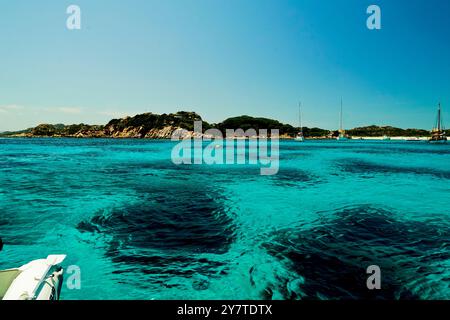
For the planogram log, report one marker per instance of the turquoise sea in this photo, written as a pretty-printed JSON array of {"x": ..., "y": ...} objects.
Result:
[{"x": 140, "y": 227}]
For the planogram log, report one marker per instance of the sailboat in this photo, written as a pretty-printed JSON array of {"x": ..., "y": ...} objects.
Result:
[
  {"x": 300, "y": 137},
  {"x": 342, "y": 136},
  {"x": 438, "y": 133}
]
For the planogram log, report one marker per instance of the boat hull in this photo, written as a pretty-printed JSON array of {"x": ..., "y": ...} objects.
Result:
[
  {"x": 37, "y": 280},
  {"x": 442, "y": 141}
]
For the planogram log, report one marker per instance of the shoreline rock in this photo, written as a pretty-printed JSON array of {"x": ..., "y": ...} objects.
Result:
[{"x": 154, "y": 126}]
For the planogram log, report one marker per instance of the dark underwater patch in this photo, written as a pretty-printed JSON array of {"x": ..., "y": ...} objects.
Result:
[
  {"x": 216, "y": 173},
  {"x": 333, "y": 257},
  {"x": 432, "y": 149},
  {"x": 168, "y": 232},
  {"x": 291, "y": 177},
  {"x": 293, "y": 155},
  {"x": 368, "y": 169},
  {"x": 390, "y": 148},
  {"x": 5, "y": 165},
  {"x": 11, "y": 225}
]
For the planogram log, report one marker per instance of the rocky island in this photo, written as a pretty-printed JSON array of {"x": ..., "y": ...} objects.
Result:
[{"x": 154, "y": 126}]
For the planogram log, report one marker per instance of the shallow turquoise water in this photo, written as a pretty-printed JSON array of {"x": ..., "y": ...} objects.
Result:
[{"x": 140, "y": 227}]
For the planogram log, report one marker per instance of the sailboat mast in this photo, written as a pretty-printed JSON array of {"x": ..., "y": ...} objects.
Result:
[
  {"x": 439, "y": 118},
  {"x": 340, "y": 121},
  {"x": 438, "y": 134},
  {"x": 300, "y": 116}
]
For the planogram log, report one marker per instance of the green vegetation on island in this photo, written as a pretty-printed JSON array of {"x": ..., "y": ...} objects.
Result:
[
  {"x": 62, "y": 130},
  {"x": 150, "y": 125},
  {"x": 376, "y": 131}
]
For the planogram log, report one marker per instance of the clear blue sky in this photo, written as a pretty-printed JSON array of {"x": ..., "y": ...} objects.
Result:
[{"x": 224, "y": 58}]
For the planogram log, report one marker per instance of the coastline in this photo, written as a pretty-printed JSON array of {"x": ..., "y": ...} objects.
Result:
[
  {"x": 164, "y": 126},
  {"x": 399, "y": 138},
  {"x": 192, "y": 136}
]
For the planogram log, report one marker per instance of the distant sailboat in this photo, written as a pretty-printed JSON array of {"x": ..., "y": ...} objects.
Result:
[
  {"x": 438, "y": 133},
  {"x": 300, "y": 137},
  {"x": 342, "y": 136}
]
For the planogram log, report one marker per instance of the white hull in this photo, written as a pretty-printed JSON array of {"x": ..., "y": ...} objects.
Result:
[{"x": 38, "y": 280}]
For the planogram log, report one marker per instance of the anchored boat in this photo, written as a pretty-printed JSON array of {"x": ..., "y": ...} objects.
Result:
[
  {"x": 342, "y": 136},
  {"x": 300, "y": 137},
  {"x": 438, "y": 133},
  {"x": 37, "y": 280}
]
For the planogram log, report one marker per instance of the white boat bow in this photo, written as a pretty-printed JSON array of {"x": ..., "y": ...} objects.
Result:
[{"x": 37, "y": 280}]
